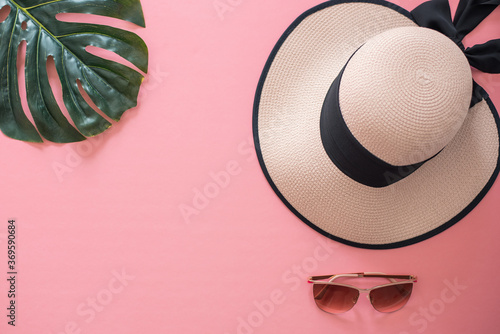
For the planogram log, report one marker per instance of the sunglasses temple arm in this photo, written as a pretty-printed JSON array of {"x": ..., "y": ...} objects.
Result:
[
  {"x": 332, "y": 277},
  {"x": 315, "y": 278},
  {"x": 389, "y": 276}
]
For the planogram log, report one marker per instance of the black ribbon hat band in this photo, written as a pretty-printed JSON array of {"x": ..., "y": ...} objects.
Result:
[
  {"x": 341, "y": 146},
  {"x": 348, "y": 154}
]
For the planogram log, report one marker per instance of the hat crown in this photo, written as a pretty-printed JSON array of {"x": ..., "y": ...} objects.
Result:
[{"x": 405, "y": 94}]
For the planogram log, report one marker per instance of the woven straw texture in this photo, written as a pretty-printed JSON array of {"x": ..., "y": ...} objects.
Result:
[
  {"x": 405, "y": 93},
  {"x": 292, "y": 152}
]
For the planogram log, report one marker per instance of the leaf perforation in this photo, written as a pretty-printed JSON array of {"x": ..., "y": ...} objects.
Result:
[{"x": 108, "y": 83}]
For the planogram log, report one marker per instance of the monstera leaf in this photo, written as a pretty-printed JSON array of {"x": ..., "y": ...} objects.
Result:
[{"x": 112, "y": 87}]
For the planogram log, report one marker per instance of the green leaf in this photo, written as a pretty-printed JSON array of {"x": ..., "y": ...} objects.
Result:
[{"x": 111, "y": 86}]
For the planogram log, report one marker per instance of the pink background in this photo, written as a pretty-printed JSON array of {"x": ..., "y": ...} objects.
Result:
[{"x": 90, "y": 212}]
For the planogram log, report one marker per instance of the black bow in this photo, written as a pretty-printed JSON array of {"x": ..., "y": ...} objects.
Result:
[{"x": 436, "y": 14}]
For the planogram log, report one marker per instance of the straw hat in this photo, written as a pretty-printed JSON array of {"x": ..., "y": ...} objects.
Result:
[{"x": 368, "y": 124}]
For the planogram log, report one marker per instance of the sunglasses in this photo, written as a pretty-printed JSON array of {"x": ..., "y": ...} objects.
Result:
[{"x": 333, "y": 297}]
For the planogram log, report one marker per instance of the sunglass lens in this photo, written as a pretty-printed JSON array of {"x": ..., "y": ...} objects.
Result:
[
  {"x": 391, "y": 298},
  {"x": 334, "y": 298}
]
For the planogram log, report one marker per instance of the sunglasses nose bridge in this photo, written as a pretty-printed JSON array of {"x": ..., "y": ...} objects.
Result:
[{"x": 367, "y": 291}]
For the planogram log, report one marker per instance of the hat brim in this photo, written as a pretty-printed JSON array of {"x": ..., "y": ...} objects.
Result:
[{"x": 290, "y": 94}]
